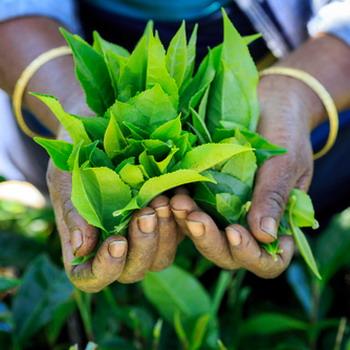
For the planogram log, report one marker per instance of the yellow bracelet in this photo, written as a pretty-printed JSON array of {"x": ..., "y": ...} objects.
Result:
[
  {"x": 324, "y": 96},
  {"x": 24, "y": 79}
]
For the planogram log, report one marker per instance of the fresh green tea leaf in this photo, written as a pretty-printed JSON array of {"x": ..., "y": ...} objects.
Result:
[
  {"x": 200, "y": 128},
  {"x": 92, "y": 73},
  {"x": 148, "y": 110},
  {"x": 302, "y": 210},
  {"x": 58, "y": 150},
  {"x": 207, "y": 156},
  {"x": 169, "y": 130},
  {"x": 248, "y": 39},
  {"x": 94, "y": 126},
  {"x": 243, "y": 167},
  {"x": 229, "y": 206},
  {"x": 202, "y": 109},
  {"x": 198, "y": 85},
  {"x": 114, "y": 140},
  {"x": 236, "y": 55},
  {"x": 73, "y": 125},
  {"x": 157, "y": 185},
  {"x": 191, "y": 55},
  {"x": 97, "y": 193},
  {"x": 157, "y": 72},
  {"x": 264, "y": 149},
  {"x": 227, "y": 101},
  {"x": 176, "y": 56},
  {"x": 301, "y": 240},
  {"x": 102, "y": 46},
  {"x": 133, "y": 73},
  {"x": 131, "y": 175}
]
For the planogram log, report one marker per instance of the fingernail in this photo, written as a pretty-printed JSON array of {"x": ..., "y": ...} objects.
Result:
[
  {"x": 233, "y": 236},
  {"x": 76, "y": 240},
  {"x": 196, "y": 228},
  {"x": 163, "y": 212},
  {"x": 147, "y": 223},
  {"x": 180, "y": 214},
  {"x": 269, "y": 225},
  {"x": 117, "y": 248}
]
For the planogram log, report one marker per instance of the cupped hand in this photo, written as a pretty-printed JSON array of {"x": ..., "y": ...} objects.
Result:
[
  {"x": 286, "y": 121},
  {"x": 150, "y": 245},
  {"x": 233, "y": 249}
]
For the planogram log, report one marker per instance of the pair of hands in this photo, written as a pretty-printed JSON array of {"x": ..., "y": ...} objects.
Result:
[{"x": 155, "y": 231}]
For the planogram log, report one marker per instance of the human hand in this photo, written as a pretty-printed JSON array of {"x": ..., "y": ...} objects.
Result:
[
  {"x": 150, "y": 245},
  {"x": 233, "y": 249},
  {"x": 285, "y": 120}
]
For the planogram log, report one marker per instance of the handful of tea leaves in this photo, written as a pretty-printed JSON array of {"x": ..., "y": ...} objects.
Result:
[{"x": 160, "y": 124}]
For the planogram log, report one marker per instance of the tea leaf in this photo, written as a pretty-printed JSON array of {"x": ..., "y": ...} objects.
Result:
[
  {"x": 94, "y": 126},
  {"x": 236, "y": 55},
  {"x": 157, "y": 185},
  {"x": 58, "y": 150},
  {"x": 191, "y": 54},
  {"x": 157, "y": 72},
  {"x": 73, "y": 125},
  {"x": 169, "y": 130},
  {"x": 198, "y": 85},
  {"x": 200, "y": 128},
  {"x": 227, "y": 101},
  {"x": 92, "y": 73},
  {"x": 176, "y": 56},
  {"x": 229, "y": 206},
  {"x": 208, "y": 155},
  {"x": 264, "y": 149},
  {"x": 114, "y": 140},
  {"x": 301, "y": 240},
  {"x": 97, "y": 193},
  {"x": 133, "y": 74},
  {"x": 131, "y": 174},
  {"x": 102, "y": 46},
  {"x": 243, "y": 167},
  {"x": 302, "y": 211}
]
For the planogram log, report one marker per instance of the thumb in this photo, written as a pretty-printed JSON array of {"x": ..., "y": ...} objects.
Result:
[{"x": 274, "y": 182}]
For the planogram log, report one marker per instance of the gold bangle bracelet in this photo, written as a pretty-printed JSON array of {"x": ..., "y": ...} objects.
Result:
[
  {"x": 322, "y": 93},
  {"x": 24, "y": 79}
]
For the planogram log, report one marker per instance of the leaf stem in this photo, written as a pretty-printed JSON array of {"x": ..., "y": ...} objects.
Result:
[{"x": 83, "y": 301}]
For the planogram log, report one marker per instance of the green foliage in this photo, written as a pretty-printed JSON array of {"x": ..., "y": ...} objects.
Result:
[{"x": 44, "y": 288}]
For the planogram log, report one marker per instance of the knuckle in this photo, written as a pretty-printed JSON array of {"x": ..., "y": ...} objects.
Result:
[{"x": 277, "y": 199}]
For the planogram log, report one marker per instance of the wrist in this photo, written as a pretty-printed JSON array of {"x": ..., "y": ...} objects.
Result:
[{"x": 293, "y": 97}]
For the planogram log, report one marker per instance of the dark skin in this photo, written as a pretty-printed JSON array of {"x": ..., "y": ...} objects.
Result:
[{"x": 289, "y": 111}]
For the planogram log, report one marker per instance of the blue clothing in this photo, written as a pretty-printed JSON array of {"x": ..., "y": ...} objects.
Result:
[{"x": 284, "y": 24}]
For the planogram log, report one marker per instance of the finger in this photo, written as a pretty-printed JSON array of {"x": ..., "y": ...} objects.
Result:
[
  {"x": 247, "y": 252},
  {"x": 167, "y": 231},
  {"x": 84, "y": 237},
  {"x": 104, "y": 269},
  {"x": 274, "y": 182},
  {"x": 181, "y": 190},
  {"x": 208, "y": 239},
  {"x": 143, "y": 243},
  {"x": 181, "y": 205}
]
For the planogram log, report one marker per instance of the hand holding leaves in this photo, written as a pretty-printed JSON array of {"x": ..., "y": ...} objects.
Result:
[{"x": 159, "y": 127}]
